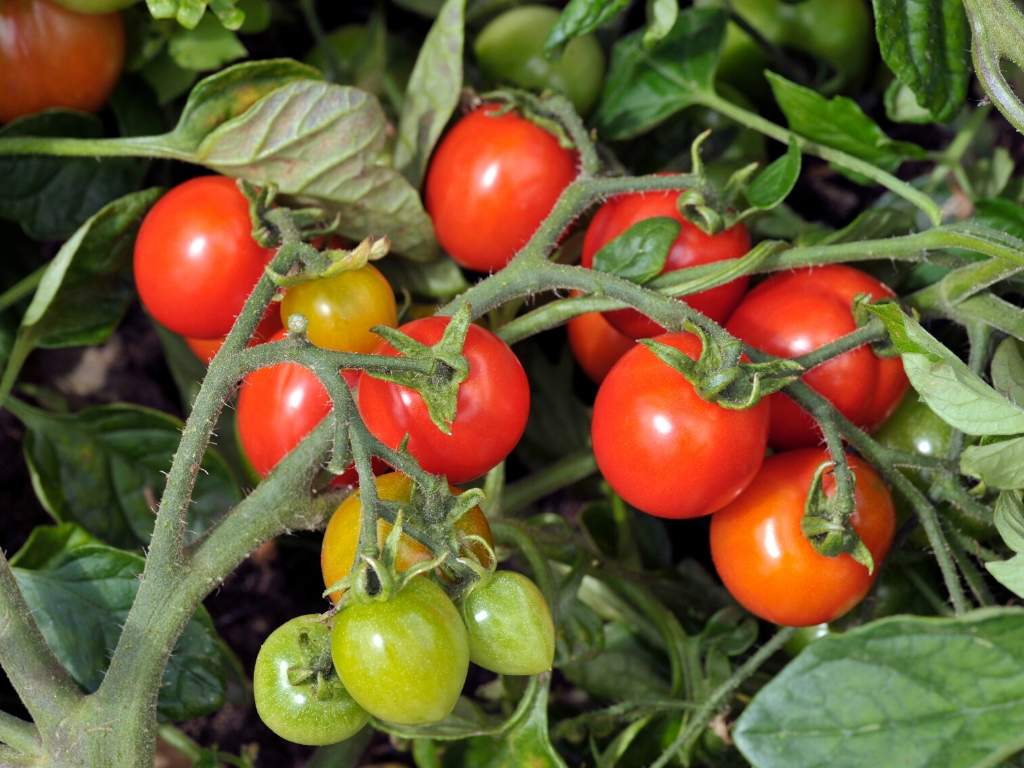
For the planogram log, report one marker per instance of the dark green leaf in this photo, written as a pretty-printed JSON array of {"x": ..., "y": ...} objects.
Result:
[
  {"x": 872, "y": 224},
  {"x": 945, "y": 383},
  {"x": 773, "y": 185},
  {"x": 625, "y": 669},
  {"x": 257, "y": 16},
  {"x": 941, "y": 693},
  {"x": 104, "y": 469},
  {"x": 999, "y": 465},
  {"x": 527, "y": 742},
  {"x": 839, "y": 123},
  {"x": 48, "y": 544},
  {"x": 647, "y": 85},
  {"x": 50, "y": 197},
  {"x": 80, "y": 599},
  {"x": 559, "y": 423},
  {"x": 347, "y": 754},
  {"x": 639, "y": 253},
  {"x": 433, "y": 91},
  {"x": 580, "y": 17},
  {"x": 166, "y": 78},
  {"x": 1008, "y": 370},
  {"x": 440, "y": 279},
  {"x": 1000, "y": 214},
  {"x": 1009, "y": 520},
  {"x": 926, "y": 45},
  {"x": 208, "y": 46}
]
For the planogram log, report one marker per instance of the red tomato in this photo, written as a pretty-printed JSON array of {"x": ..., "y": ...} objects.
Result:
[
  {"x": 195, "y": 259},
  {"x": 766, "y": 563},
  {"x": 492, "y": 181},
  {"x": 664, "y": 449},
  {"x": 205, "y": 349},
  {"x": 793, "y": 313},
  {"x": 493, "y": 404},
  {"x": 596, "y": 344},
  {"x": 52, "y": 57},
  {"x": 690, "y": 249}
]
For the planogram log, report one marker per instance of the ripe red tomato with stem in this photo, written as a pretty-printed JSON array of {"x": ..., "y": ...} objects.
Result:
[
  {"x": 53, "y": 57},
  {"x": 195, "y": 260},
  {"x": 493, "y": 404},
  {"x": 793, "y": 313},
  {"x": 663, "y": 448},
  {"x": 768, "y": 565},
  {"x": 492, "y": 181},
  {"x": 596, "y": 344},
  {"x": 691, "y": 248}
]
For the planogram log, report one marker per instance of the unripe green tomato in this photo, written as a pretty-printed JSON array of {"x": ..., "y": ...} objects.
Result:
[
  {"x": 836, "y": 32},
  {"x": 509, "y": 625},
  {"x": 804, "y": 636},
  {"x": 95, "y": 6},
  {"x": 510, "y": 50},
  {"x": 293, "y": 700},
  {"x": 403, "y": 659}
]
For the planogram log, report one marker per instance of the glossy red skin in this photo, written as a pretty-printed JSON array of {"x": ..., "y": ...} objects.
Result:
[
  {"x": 493, "y": 404},
  {"x": 206, "y": 349},
  {"x": 690, "y": 249},
  {"x": 492, "y": 181},
  {"x": 793, "y": 313},
  {"x": 195, "y": 259},
  {"x": 596, "y": 344},
  {"x": 665, "y": 450},
  {"x": 766, "y": 563},
  {"x": 52, "y": 57}
]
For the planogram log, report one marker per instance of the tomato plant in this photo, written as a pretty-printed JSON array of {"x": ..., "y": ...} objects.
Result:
[
  {"x": 195, "y": 259},
  {"x": 797, "y": 312},
  {"x": 404, "y": 658},
  {"x": 691, "y": 248},
  {"x": 37, "y": 40},
  {"x": 492, "y": 180},
  {"x": 768, "y": 565},
  {"x": 341, "y": 538},
  {"x": 298, "y": 694},
  {"x": 648, "y": 418},
  {"x": 493, "y": 403}
]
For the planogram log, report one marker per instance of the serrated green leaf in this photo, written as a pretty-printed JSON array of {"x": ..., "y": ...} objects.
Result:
[
  {"x": 912, "y": 692},
  {"x": 773, "y": 185},
  {"x": 999, "y": 465},
  {"x": 580, "y": 17},
  {"x": 639, "y": 253},
  {"x": 926, "y": 45}
]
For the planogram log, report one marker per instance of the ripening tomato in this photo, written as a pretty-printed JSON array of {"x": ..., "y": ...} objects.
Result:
[
  {"x": 664, "y": 449},
  {"x": 691, "y": 248},
  {"x": 403, "y": 659},
  {"x": 341, "y": 539},
  {"x": 52, "y": 57},
  {"x": 793, "y": 313},
  {"x": 340, "y": 310},
  {"x": 596, "y": 344},
  {"x": 195, "y": 260},
  {"x": 492, "y": 181},
  {"x": 493, "y": 404},
  {"x": 205, "y": 349},
  {"x": 297, "y": 696},
  {"x": 766, "y": 563}
]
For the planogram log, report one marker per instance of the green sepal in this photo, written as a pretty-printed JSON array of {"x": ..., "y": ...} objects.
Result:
[
  {"x": 331, "y": 262},
  {"x": 826, "y": 525},
  {"x": 862, "y": 315},
  {"x": 720, "y": 375},
  {"x": 534, "y": 108}
]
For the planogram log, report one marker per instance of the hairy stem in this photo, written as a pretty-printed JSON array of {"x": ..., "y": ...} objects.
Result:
[{"x": 19, "y": 734}]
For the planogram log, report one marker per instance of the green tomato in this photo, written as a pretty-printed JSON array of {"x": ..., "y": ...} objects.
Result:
[
  {"x": 837, "y": 33},
  {"x": 95, "y": 6},
  {"x": 298, "y": 695},
  {"x": 509, "y": 624},
  {"x": 510, "y": 50},
  {"x": 914, "y": 428},
  {"x": 404, "y": 659},
  {"x": 804, "y": 636}
]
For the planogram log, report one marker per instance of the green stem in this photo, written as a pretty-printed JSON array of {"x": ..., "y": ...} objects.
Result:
[
  {"x": 696, "y": 724},
  {"x": 22, "y": 288},
  {"x": 972, "y": 577},
  {"x": 125, "y": 146},
  {"x": 563, "y": 473},
  {"x": 865, "y": 334},
  {"x": 19, "y": 734},
  {"x": 997, "y": 32},
  {"x": 778, "y": 133}
]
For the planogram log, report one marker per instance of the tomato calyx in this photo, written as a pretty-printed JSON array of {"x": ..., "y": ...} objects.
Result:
[
  {"x": 826, "y": 521},
  {"x": 864, "y": 315},
  {"x": 721, "y": 376},
  {"x": 543, "y": 111},
  {"x": 319, "y": 264},
  {"x": 315, "y": 668}
]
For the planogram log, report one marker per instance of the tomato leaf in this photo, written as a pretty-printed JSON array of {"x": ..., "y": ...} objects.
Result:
[
  {"x": 50, "y": 197},
  {"x": 580, "y": 17},
  {"x": 940, "y": 692},
  {"x": 839, "y": 123},
  {"x": 773, "y": 185},
  {"x": 945, "y": 383},
  {"x": 639, "y": 253},
  {"x": 208, "y": 46},
  {"x": 1009, "y": 520},
  {"x": 433, "y": 91},
  {"x": 646, "y": 86},
  {"x": 661, "y": 17},
  {"x": 86, "y": 288},
  {"x": 104, "y": 469},
  {"x": 439, "y": 280},
  {"x": 926, "y": 45},
  {"x": 1008, "y": 370},
  {"x": 1000, "y": 465},
  {"x": 80, "y": 596}
]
